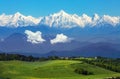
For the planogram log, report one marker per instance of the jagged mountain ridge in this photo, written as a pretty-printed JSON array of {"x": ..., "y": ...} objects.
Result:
[
  {"x": 18, "y": 20},
  {"x": 60, "y": 19}
]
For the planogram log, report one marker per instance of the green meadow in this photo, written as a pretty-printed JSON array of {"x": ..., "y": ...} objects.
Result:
[{"x": 51, "y": 69}]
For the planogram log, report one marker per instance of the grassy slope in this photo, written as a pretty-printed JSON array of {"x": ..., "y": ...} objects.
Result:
[{"x": 56, "y": 69}]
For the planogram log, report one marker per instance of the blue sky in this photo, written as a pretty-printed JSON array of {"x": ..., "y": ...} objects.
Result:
[{"x": 44, "y": 7}]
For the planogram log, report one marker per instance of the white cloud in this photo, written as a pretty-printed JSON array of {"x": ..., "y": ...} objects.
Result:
[
  {"x": 60, "y": 38},
  {"x": 34, "y": 37}
]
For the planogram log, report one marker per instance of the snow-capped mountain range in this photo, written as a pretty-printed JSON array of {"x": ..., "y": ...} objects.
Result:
[
  {"x": 18, "y": 20},
  {"x": 60, "y": 19},
  {"x": 30, "y": 35}
]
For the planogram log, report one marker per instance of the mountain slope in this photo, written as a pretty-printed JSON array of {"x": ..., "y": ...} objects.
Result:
[{"x": 94, "y": 49}]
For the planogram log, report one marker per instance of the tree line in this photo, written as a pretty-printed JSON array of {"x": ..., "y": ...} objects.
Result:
[
  {"x": 107, "y": 63},
  {"x": 7, "y": 57}
]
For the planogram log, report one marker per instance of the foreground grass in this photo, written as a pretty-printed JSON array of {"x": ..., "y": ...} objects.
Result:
[{"x": 54, "y": 69}]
